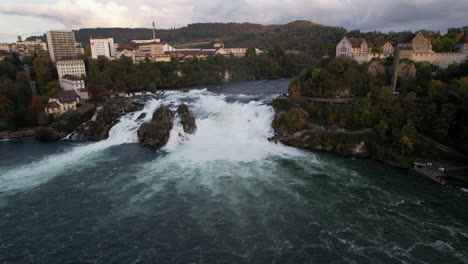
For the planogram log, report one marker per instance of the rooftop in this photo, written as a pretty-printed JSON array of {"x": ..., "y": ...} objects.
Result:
[
  {"x": 356, "y": 42},
  {"x": 66, "y": 96},
  {"x": 125, "y": 46},
  {"x": 52, "y": 105}
]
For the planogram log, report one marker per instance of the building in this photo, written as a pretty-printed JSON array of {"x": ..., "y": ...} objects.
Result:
[
  {"x": 152, "y": 49},
  {"x": 236, "y": 51},
  {"x": 414, "y": 47},
  {"x": 353, "y": 47},
  {"x": 5, "y": 46},
  {"x": 70, "y": 66},
  {"x": 183, "y": 54},
  {"x": 168, "y": 47},
  {"x": 421, "y": 44},
  {"x": 125, "y": 50},
  {"x": 62, "y": 102},
  {"x": 74, "y": 83},
  {"x": 101, "y": 46},
  {"x": 61, "y": 43},
  {"x": 79, "y": 48},
  {"x": 30, "y": 47},
  {"x": 233, "y": 50},
  {"x": 387, "y": 48}
]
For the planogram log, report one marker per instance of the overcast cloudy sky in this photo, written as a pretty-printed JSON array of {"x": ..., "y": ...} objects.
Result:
[{"x": 28, "y": 17}]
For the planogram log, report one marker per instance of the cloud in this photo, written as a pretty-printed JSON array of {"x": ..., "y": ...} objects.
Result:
[{"x": 352, "y": 14}]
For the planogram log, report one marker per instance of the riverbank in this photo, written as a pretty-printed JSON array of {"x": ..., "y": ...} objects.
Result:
[
  {"x": 5, "y": 135},
  {"x": 295, "y": 126}
]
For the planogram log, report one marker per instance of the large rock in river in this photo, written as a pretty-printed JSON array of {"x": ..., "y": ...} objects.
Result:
[
  {"x": 106, "y": 117},
  {"x": 188, "y": 121},
  {"x": 156, "y": 132}
]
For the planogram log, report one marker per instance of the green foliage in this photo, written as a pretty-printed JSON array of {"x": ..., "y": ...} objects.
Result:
[
  {"x": 444, "y": 44},
  {"x": 338, "y": 78},
  {"x": 295, "y": 120},
  {"x": 435, "y": 106},
  {"x": 122, "y": 75},
  {"x": 46, "y": 134},
  {"x": 377, "y": 50}
]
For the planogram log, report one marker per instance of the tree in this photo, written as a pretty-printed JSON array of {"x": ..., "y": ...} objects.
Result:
[
  {"x": 377, "y": 50},
  {"x": 36, "y": 104},
  {"x": 382, "y": 129},
  {"x": 96, "y": 91},
  {"x": 407, "y": 145},
  {"x": 250, "y": 52},
  {"x": 6, "y": 106},
  {"x": 386, "y": 98},
  {"x": 295, "y": 120}
]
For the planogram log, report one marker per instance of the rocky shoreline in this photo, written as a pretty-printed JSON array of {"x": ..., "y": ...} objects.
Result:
[{"x": 5, "y": 135}]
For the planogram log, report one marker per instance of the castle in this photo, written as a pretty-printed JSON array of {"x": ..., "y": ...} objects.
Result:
[{"x": 416, "y": 47}]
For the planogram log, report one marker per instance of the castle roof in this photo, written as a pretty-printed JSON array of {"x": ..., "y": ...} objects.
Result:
[
  {"x": 381, "y": 43},
  {"x": 356, "y": 42}
]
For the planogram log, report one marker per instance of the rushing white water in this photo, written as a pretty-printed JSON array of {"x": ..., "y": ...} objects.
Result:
[
  {"x": 234, "y": 131},
  {"x": 48, "y": 167}
]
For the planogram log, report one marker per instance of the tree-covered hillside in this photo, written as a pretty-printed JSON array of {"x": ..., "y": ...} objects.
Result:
[{"x": 301, "y": 35}]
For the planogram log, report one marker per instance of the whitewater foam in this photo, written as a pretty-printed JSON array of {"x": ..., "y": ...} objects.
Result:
[
  {"x": 37, "y": 172},
  {"x": 229, "y": 131}
]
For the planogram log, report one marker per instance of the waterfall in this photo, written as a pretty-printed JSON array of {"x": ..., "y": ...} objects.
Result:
[
  {"x": 30, "y": 175},
  {"x": 226, "y": 130}
]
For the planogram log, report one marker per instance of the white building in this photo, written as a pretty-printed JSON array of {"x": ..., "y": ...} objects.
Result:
[
  {"x": 74, "y": 83},
  {"x": 168, "y": 47},
  {"x": 61, "y": 43},
  {"x": 79, "y": 48},
  {"x": 62, "y": 102},
  {"x": 101, "y": 46},
  {"x": 71, "y": 66}
]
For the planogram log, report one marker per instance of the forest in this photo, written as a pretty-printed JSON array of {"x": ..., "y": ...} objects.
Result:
[{"x": 431, "y": 103}]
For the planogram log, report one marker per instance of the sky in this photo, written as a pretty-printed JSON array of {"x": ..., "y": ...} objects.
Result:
[{"x": 35, "y": 17}]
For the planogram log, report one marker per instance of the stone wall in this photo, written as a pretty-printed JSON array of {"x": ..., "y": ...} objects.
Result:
[
  {"x": 366, "y": 57},
  {"x": 442, "y": 59}
]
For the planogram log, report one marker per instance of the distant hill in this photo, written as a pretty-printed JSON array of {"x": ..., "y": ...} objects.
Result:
[{"x": 298, "y": 35}]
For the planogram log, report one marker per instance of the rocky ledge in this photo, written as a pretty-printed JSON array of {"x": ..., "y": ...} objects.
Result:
[
  {"x": 156, "y": 132},
  {"x": 107, "y": 116}
]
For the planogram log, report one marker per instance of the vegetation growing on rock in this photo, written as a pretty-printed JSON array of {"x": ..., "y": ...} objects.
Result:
[{"x": 347, "y": 105}]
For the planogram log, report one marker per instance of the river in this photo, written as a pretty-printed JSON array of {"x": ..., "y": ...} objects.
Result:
[{"x": 222, "y": 195}]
